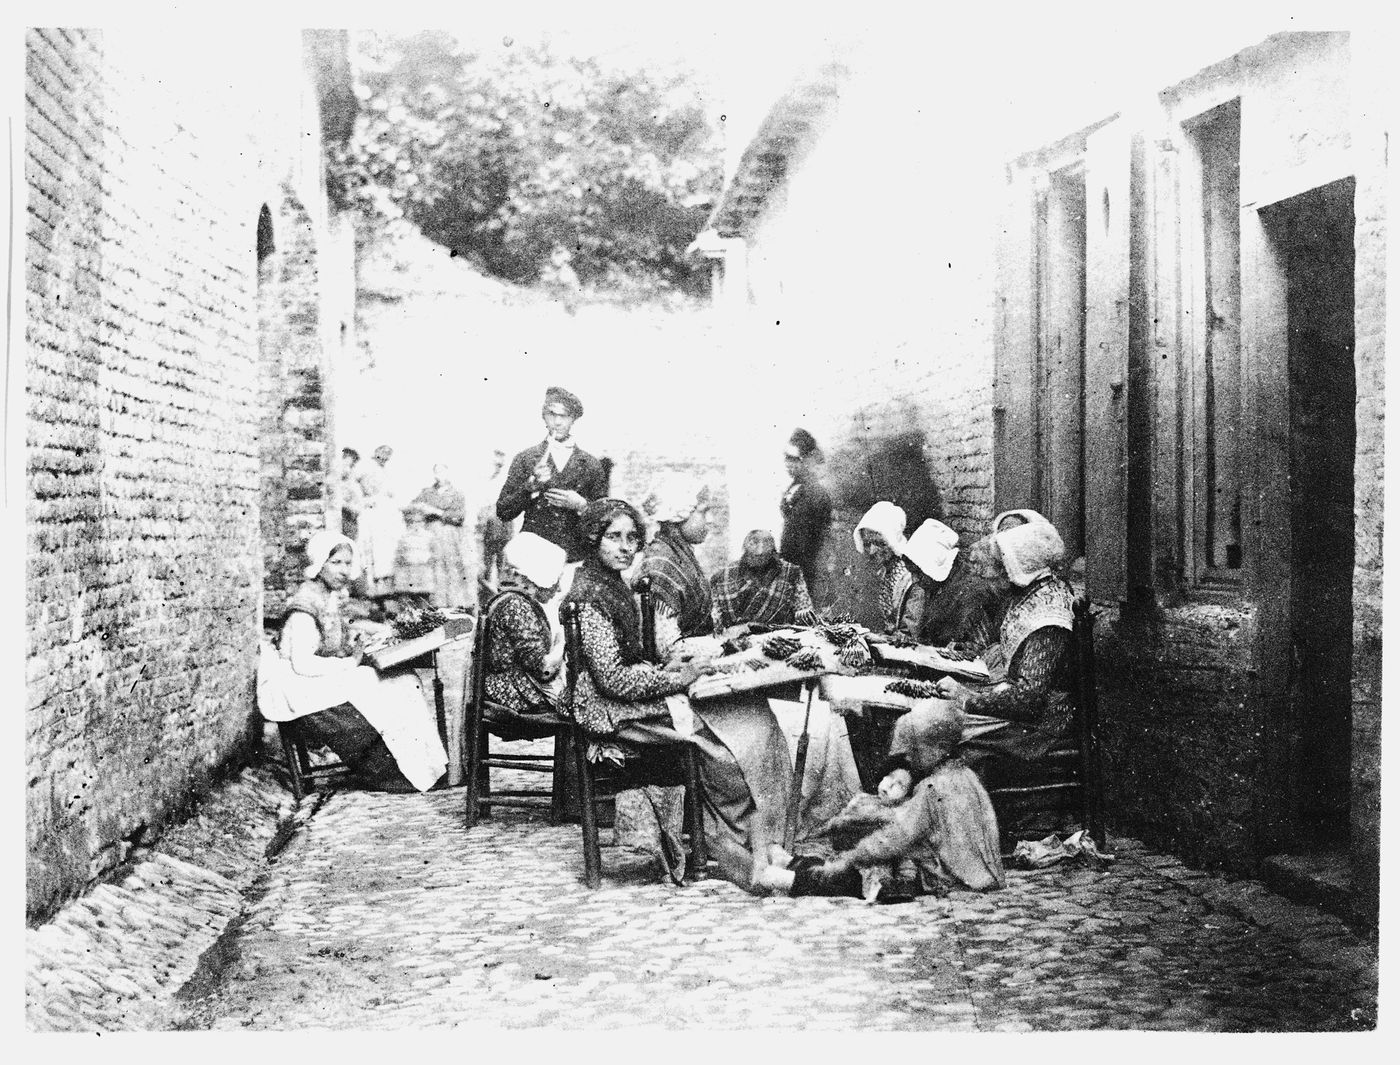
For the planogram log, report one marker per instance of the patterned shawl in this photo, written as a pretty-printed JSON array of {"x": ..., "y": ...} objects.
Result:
[
  {"x": 604, "y": 590},
  {"x": 895, "y": 584},
  {"x": 678, "y": 581},
  {"x": 765, "y": 597},
  {"x": 1049, "y": 602}
]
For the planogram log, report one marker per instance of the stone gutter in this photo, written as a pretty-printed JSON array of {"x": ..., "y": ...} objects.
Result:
[{"x": 115, "y": 958}]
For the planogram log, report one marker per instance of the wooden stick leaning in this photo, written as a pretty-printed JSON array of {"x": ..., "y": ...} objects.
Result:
[{"x": 799, "y": 769}]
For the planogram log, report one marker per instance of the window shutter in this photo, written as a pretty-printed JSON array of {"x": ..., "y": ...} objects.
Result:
[
  {"x": 1108, "y": 187},
  {"x": 1016, "y": 446}
]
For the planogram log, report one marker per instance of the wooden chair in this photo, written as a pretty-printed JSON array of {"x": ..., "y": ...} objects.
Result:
[
  {"x": 1069, "y": 777},
  {"x": 483, "y": 719},
  {"x": 597, "y": 783},
  {"x": 303, "y": 775}
]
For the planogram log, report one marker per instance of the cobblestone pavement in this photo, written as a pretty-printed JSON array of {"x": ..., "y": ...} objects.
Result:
[{"x": 384, "y": 912}]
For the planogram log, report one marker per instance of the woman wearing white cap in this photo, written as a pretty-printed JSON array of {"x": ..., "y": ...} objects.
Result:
[
  {"x": 379, "y": 725},
  {"x": 680, "y": 507},
  {"x": 880, "y": 537},
  {"x": 523, "y": 655},
  {"x": 1019, "y": 719},
  {"x": 965, "y": 590}
]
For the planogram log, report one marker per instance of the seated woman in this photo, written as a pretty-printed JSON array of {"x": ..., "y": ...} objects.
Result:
[
  {"x": 619, "y": 698},
  {"x": 522, "y": 654},
  {"x": 680, "y": 590},
  {"x": 966, "y": 591},
  {"x": 880, "y": 537},
  {"x": 379, "y": 725},
  {"x": 1019, "y": 718},
  {"x": 943, "y": 836},
  {"x": 759, "y": 591}
]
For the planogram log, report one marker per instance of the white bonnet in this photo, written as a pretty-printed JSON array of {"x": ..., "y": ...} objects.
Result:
[
  {"x": 932, "y": 548},
  {"x": 320, "y": 547},
  {"x": 888, "y": 520},
  {"x": 537, "y": 558}
]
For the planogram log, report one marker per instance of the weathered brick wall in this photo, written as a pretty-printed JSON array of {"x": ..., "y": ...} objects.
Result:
[
  {"x": 1181, "y": 740},
  {"x": 145, "y": 162},
  {"x": 295, "y": 447}
]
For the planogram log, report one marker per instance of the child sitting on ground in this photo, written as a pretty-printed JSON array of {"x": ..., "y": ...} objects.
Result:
[
  {"x": 861, "y": 816},
  {"x": 945, "y": 833}
]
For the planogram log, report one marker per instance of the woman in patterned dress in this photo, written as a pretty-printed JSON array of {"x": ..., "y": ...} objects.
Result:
[
  {"x": 621, "y": 700},
  {"x": 522, "y": 653}
]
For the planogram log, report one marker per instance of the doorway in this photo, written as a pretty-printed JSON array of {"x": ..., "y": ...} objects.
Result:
[{"x": 1313, "y": 234}]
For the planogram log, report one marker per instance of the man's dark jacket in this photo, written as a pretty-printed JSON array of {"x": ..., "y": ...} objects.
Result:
[{"x": 582, "y": 473}]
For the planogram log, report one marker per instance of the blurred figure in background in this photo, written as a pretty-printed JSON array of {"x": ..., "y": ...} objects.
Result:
[
  {"x": 351, "y": 498},
  {"x": 445, "y": 509},
  {"x": 806, "y": 510},
  {"x": 492, "y": 534},
  {"x": 380, "y": 526}
]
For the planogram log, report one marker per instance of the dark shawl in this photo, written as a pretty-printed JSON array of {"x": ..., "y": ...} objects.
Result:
[{"x": 605, "y": 590}]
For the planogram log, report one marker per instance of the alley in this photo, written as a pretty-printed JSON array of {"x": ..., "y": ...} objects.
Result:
[{"x": 383, "y": 912}]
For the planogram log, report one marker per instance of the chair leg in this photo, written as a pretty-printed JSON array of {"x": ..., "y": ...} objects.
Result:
[
  {"x": 592, "y": 859},
  {"x": 472, "y": 728},
  {"x": 293, "y": 757},
  {"x": 698, "y": 860},
  {"x": 558, "y": 779},
  {"x": 483, "y": 806}
]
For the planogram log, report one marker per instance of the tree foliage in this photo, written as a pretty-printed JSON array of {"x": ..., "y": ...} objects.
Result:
[{"x": 535, "y": 164}]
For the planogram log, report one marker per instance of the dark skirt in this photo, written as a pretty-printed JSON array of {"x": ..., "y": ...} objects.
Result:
[{"x": 357, "y": 744}]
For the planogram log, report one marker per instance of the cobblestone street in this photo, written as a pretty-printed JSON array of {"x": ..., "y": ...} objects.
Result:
[{"x": 383, "y": 912}]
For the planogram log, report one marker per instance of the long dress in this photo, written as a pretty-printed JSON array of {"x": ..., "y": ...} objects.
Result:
[
  {"x": 806, "y": 511},
  {"x": 746, "y": 751},
  {"x": 380, "y": 527},
  {"x": 346, "y": 706},
  {"x": 453, "y": 578}
]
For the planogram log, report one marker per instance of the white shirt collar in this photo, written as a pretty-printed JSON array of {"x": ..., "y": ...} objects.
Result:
[{"x": 559, "y": 452}]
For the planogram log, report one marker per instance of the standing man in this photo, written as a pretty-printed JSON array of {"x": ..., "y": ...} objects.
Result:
[
  {"x": 553, "y": 481},
  {"x": 806, "y": 508}
]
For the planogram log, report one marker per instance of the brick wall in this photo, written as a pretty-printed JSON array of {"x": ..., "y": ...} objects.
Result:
[{"x": 144, "y": 163}]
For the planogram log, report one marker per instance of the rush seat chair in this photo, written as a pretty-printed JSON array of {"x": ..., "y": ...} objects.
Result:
[
  {"x": 598, "y": 782},
  {"x": 485, "y": 719},
  {"x": 1069, "y": 777}
]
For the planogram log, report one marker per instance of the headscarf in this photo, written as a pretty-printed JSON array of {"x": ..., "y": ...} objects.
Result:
[
  {"x": 1030, "y": 551},
  {"x": 886, "y": 519},
  {"x": 320, "y": 547},
  {"x": 536, "y": 558},
  {"x": 604, "y": 589},
  {"x": 598, "y": 515},
  {"x": 675, "y": 498},
  {"x": 932, "y": 548},
  {"x": 678, "y": 581}
]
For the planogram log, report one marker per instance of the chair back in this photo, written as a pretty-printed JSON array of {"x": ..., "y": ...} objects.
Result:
[
  {"x": 476, "y": 681},
  {"x": 1086, "y": 715},
  {"x": 642, "y": 586},
  {"x": 569, "y": 617}
]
